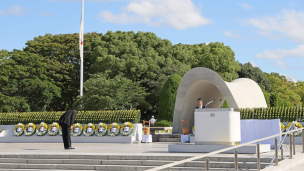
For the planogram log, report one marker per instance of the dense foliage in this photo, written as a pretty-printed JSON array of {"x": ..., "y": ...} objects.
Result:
[
  {"x": 83, "y": 117},
  {"x": 24, "y": 83},
  {"x": 122, "y": 70},
  {"x": 167, "y": 98}
]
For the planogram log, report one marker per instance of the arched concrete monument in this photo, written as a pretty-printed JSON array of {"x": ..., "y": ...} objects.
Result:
[{"x": 206, "y": 84}]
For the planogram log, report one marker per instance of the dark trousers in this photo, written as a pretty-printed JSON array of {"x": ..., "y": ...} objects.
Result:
[{"x": 66, "y": 135}]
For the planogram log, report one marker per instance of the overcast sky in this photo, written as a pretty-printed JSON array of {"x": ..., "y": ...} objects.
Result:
[{"x": 269, "y": 34}]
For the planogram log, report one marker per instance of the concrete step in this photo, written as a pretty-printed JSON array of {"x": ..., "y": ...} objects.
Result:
[
  {"x": 132, "y": 157},
  {"x": 171, "y": 169},
  {"x": 11, "y": 166},
  {"x": 169, "y": 136},
  {"x": 169, "y": 140},
  {"x": 92, "y": 163}
]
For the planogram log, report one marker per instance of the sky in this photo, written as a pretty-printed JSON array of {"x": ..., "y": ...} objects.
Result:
[{"x": 269, "y": 34}]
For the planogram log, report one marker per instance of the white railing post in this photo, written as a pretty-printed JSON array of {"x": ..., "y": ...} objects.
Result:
[{"x": 258, "y": 156}]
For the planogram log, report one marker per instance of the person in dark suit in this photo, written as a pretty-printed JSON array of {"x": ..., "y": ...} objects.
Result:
[
  {"x": 66, "y": 122},
  {"x": 200, "y": 104}
]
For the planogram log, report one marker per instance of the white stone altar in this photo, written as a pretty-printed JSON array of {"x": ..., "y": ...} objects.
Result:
[
  {"x": 216, "y": 129},
  {"x": 217, "y": 126},
  {"x": 7, "y": 136}
]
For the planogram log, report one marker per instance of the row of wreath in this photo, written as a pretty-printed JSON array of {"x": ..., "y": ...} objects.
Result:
[
  {"x": 89, "y": 130},
  {"x": 295, "y": 125}
]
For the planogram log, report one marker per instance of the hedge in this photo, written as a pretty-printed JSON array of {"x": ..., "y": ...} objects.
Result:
[
  {"x": 167, "y": 98},
  {"x": 286, "y": 114},
  {"x": 83, "y": 117}
]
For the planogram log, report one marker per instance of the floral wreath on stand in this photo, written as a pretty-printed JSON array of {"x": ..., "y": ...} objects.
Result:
[
  {"x": 113, "y": 129},
  {"x": 193, "y": 130},
  {"x": 88, "y": 130},
  {"x": 76, "y": 130},
  {"x": 295, "y": 125},
  {"x": 283, "y": 128},
  {"x": 53, "y": 129},
  {"x": 19, "y": 129},
  {"x": 30, "y": 129},
  {"x": 101, "y": 129},
  {"x": 126, "y": 129},
  {"x": 42, "y": 129}
]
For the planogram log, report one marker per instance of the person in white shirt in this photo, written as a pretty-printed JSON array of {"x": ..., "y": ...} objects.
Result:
[
  {"x": 200, "y": 104},
  {"x": 152, "y": 121}
]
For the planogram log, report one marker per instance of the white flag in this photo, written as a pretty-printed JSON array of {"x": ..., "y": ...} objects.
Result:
[{"x": 81, "y": 33}]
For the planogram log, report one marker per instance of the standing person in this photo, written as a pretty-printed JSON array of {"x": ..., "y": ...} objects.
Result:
[
  {"x": 200, "y": 104},
  {"x": 152, "y": 121},
  {"x": 66, "y": 122}
]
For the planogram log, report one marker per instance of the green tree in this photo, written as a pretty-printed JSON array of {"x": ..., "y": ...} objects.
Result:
[
  {"x": 102, "y": 92},
  {"x": 217, "y": 57},
  {"x": 167, "y": 98},
  {"x": 284, "y": 89},
  {"x": 13, "y": 104},
  {"x": 256, "y": 74},
  {"x": 140, "y": 57},
  {"x": 61, "y": 55},
  {"x": 23, "y": 82}
]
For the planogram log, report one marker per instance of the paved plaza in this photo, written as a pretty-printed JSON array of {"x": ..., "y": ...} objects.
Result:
[{"x": 159, "y": 148}]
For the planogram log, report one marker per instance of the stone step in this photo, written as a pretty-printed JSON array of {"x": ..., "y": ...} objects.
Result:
[
  {"x": 169, "y": 139},
  {"x": 132, "y": 157},
  {"x": 169, "y": 136},
  {"x": 171, "y": 169},
  {"x": 248, "y": 165},
  {"x": 97, "y": 167}
]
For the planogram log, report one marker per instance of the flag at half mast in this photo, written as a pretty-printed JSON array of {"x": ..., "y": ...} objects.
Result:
[{"x": 81, "y": 48}]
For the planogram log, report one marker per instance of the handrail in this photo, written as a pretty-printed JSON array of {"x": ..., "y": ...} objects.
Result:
[
  {"x": 280, "y": 145},
  {"x": 216, "y": 152}
]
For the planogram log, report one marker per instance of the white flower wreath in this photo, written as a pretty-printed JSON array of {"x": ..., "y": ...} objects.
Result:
[
  {"x": 88, "y": 130},
  {"x": 295, "y": 125},
  {"x": 76, "y": 130},
  {"x": 53, "y": 129},
  {"x": 30, "y": 129},
  {"x": 42, "y": 129},
  {"x": 113, "y": 129},
  {"x": 19, "y": 129},
  {"x": 101, "y": 129},
  {"x": 126, "y": 129}
]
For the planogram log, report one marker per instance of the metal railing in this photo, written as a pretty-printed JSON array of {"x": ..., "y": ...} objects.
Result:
[
  {"x": 278, "y": 148},
  {"x": 291, "y": 144}
]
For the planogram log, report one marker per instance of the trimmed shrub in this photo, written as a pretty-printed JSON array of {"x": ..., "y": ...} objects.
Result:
[
  {"x": 163, "y": 123},
  {"x": 288, "y": 104},
  {"x": 225, "y": 104},
  {"x": 267, "y": 99},
  {"x": 82, "y": 117},
  {"x": 167, "y": 98},
  {"x": 274, "y": 100}
]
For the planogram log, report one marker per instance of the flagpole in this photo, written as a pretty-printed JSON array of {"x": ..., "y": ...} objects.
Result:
[{"x": 81, "y": 50}]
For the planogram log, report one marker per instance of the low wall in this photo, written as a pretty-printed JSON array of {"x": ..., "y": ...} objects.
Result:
[{"x": 7, "y": 136}]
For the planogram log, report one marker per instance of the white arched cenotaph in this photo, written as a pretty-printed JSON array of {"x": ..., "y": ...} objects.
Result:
[{"x": 206, "y": 84}]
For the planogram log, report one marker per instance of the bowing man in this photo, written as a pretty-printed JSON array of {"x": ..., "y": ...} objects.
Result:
[{"x": 66, "y": 122}]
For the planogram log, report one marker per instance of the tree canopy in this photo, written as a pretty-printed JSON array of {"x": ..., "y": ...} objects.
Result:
[{"x": 24, "y": 84}]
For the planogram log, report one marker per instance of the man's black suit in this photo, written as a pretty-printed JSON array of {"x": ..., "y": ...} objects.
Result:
[
  {"x": 66, "y": 121},
  {"x": 202, "y": 107}
]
